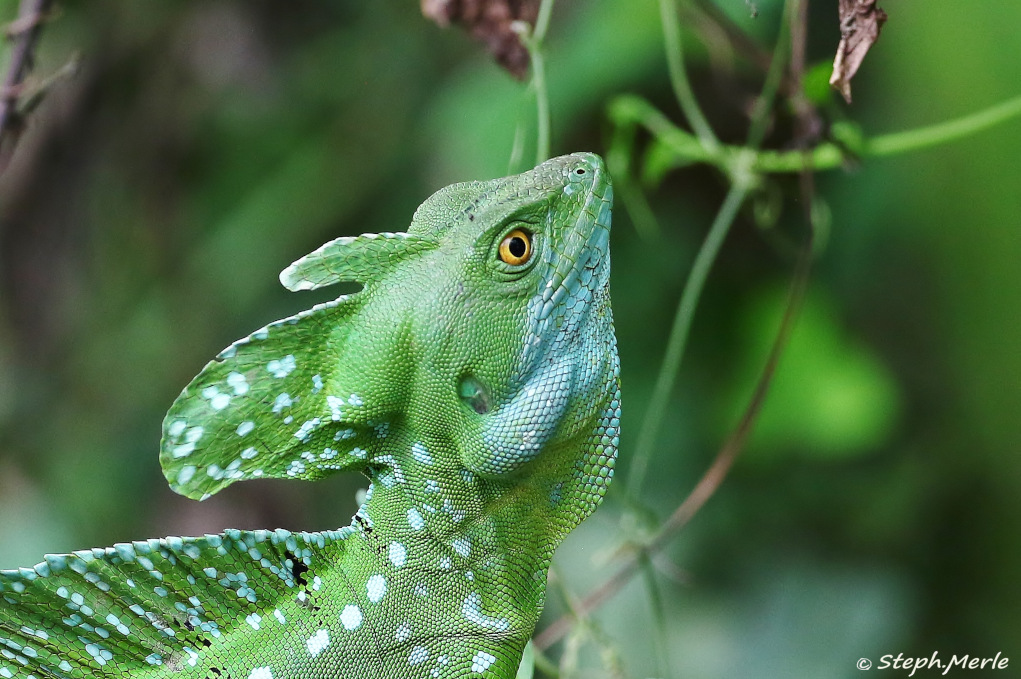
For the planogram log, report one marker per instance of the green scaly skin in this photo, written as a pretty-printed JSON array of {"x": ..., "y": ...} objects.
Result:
[{"x": 480, "y": 397}]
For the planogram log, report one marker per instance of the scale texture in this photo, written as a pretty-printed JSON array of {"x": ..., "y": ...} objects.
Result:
[{"x": 473, "y": 379}]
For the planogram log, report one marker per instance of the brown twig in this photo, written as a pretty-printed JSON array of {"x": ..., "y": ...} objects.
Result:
[
  {"x": 809, "y": 124},
  {"x": 24, "y": 32}
]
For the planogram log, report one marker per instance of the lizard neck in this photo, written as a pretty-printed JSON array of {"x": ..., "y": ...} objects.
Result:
[{"x": 446, "y": 540}]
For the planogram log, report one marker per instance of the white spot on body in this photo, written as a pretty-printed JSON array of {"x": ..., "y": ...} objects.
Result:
[
  {"x": 217, "y": 400},
  {"x": 418, "y": 655},
  {"x": 191, "y": 437},
  {"x": 336, "y": 407},
  {"x": 471, "y": 609},
  {"x": 282, "y": 367},
  {"x": 482, "y": 662},
  {"x": 351, "y": 617},
  {"x": 185, "y": 475},
  {"x": 403, "y": 633},
  {"x": 305, "y": 431},
  {"x": 397, "y": 553},
  {"x": 282, "y": 401},
  {"x": 254, "y": 620},
  {"x": 99, "y": 654},
  {"x": 462, "y": 546},
  {"x": 261, "y": 673},
  {"x": 415, "y": 519},
  {"x": 395, "y": 468},
  {"x": 236, "y": 381},
  {"x": 376, "y": 588},
  {"x": 419, "y": 452},
  {"x": 355, "y": 400},
  {"x": 245, "y": 428},
  {"x": 318, "y": 642}
]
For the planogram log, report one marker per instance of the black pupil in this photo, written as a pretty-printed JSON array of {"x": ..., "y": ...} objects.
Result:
[
  {"x": 518, "y": 246},
  {"x": 580, "y": 170}
]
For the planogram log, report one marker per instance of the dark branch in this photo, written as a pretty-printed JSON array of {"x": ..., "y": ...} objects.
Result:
[{"x": 24, "y": 32}]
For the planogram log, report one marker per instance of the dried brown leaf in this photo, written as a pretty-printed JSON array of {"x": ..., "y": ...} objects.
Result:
[
  {"x": 860, "y": 23},
  {"x": 489, "y": 21}
]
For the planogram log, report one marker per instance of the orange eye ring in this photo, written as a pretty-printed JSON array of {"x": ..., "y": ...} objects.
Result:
[{"x": 516, "y": 248}]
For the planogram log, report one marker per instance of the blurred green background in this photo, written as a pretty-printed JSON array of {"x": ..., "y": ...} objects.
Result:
[{"x": 204, "y": 146}]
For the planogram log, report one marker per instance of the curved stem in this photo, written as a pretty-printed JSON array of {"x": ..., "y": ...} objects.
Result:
[
  {"x": 941, "y": 133},
  {"x": 658, "y": 618},
  {"x": 532, "y": 40},
  {"x": 542, "y": 20},
  {"x": 679, "y": 77},
  {"x": 825, "y": 156},
  {"x": 679, "y": 334},
  {"x": 774, "y": 76},
  {"x": 517, "y": 149},
  {"x": 543, "y": 125}
]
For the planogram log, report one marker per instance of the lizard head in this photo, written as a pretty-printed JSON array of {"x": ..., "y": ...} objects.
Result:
[{"x": 523, "y": 331}]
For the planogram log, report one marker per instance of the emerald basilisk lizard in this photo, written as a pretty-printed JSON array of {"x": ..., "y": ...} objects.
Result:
[{"x": 473, "y": 378}]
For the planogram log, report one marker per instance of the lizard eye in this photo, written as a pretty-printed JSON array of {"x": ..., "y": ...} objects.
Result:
[{"x": 516, "y": 248}]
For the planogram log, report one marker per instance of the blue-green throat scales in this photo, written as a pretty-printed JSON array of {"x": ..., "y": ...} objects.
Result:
[{"x": 473, "y": 379}]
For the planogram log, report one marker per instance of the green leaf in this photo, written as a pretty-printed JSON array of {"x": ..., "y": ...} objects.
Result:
[{"x": 527, "y": 667}]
